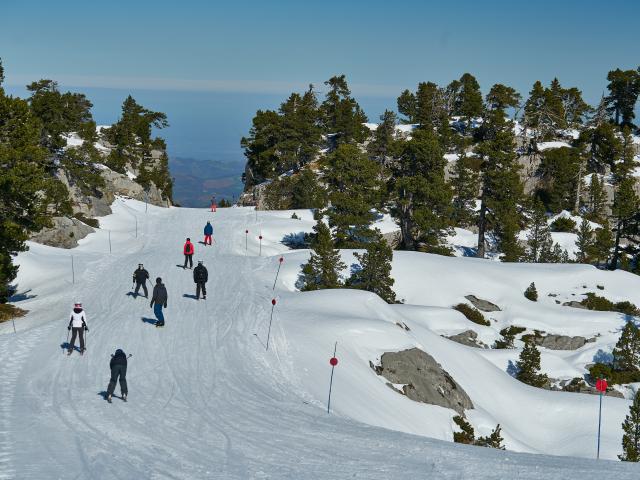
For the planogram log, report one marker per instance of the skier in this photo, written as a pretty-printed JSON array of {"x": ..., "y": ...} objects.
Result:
[
  {"x": 78, "y": 323},
  {"x": 208, "y": 231},
  {"x": 140, "y": 277},
  {"x": 200, "y": 277},
  {"x": 159, "y": 298},
  {"x": 188, "y": 253},
  {"x": 118, "y": 366},
  {"x": 214, "y": 205}
]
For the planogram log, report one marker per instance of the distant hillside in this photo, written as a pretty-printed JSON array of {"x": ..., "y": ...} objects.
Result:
[{"x": 197, "y": 180}]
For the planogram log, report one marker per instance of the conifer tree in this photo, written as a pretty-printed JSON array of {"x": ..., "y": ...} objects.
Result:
[
  {"x": 429, "y": 105},
  {"x": 631, "y": 436},
  {"x": 465, "y": 182},
  {"x": 1, "y": 73},
  {"x": 539, "y": 240},
  {"x": 602, "y": 146},
  {"x": 534, "y": 110},
  {"x": 528, "y": 366},
  {"x": 626, "y": 354},
  {"x": 624, "y": 88},
  {"x": 597, "y": 199},
  {"x": 421, "y": 196},
  {"x": 306, "y": 192},
  {"x": 468, "y": 103},
  {"x": 300, "y": 131},
  {"x": 324, "y": 266},
  {"x": 29, "y": 194},
  {"x": 494, "y": 440},
  {"x": 624, "y": 211},
  {"x": 558, "y": 171},
  {"x": 374, "y": 274},
  {"x": 383, "y": 146},
  {"x": 354, "y": 189},
  {"x": 502, "y": 188},
  {"x": 584, "y": 242},
  {"x": 407, "y": 106},
  {"x": 342, "y": 116},
  {"x": 601, "y": 249},
  {"x": 467, "y": 435}
]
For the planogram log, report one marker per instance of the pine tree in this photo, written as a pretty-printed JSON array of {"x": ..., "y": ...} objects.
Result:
[
  {"x": 324, "y": 266},
  {"x": 29, "y": 194},
  {"x": 602, "y": 146},
  {"x": 585, "y": 241},
  {"x": 342, "y": 117},
  {"x": 354, "y": 189},
  {"x": 631, "y": 436},
  {"x": 601, "y": 249},
  {"x": 626, "y": 354},
  {"x": 1, "y": 73},
  {"x": 374, "y": 274},
  {"x": 468, "y": 103},
  {"x": 624, "y": 211},
  {"x": 465, "y": 182},
  {"x": 597, "y": 199},
  {"x": 624, "y": 88},
  {"x": 539, "y": 240},
  {"x": 467, "y": 435},
  {"x": 559, "y": 174},
  {"x": 502, "y": 188},
  {"x": 534, "y": 109},
  {"x": 528, "y": 366},
  {"x": 626, "y": 167},
  {"x": 407, "y": 106},
  {"x": 383, "y": 146},
  {"x": 429, "y": 105},
  {"x": 422, "y": 198},
  {"x": 306, "y": 191},
  {"x": 494, "y": 440}
]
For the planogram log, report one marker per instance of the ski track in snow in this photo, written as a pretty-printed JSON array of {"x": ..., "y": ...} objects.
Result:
[{"x": 205, "y": 399}]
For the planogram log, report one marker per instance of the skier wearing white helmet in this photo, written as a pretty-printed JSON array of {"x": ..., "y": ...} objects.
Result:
[{"x": 78, "y": 325}]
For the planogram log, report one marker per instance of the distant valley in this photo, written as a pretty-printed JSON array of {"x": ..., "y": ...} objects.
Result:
[{"x": 196, "y": 181}]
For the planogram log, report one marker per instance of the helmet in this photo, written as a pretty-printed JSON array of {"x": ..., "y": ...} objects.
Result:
[
  {"x": 200, "y": 262},
  {"x": 77, "y": 304}
]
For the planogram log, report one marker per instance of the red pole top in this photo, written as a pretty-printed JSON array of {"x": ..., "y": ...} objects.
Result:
[
  {"x": 333, "y": 361},
  {"x": 260, "y": 237},
  {"x": 281, "y": 259},
  {"x": 601, "y": 385},
  {"x": 246, "y": 231},
  {"x": 273, "y": 302}
]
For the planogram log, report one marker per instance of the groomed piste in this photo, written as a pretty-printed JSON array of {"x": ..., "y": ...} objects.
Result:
[{"x": 208, "y": 400}]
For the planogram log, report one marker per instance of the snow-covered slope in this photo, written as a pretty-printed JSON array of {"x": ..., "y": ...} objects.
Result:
[{"x": 207, "y": 400}]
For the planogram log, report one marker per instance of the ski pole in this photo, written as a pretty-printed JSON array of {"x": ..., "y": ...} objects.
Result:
[{"x": 67, "y": 345}]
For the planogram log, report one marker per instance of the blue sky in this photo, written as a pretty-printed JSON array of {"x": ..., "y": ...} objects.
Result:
[{"x": 217, "y": 62}]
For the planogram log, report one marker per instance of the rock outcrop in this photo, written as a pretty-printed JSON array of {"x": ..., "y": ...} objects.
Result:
[
  {"x": 423, "y": 379},
  {"x": 64, "y": 233},
  {"x": 468, "y": 338},
  {"x": 560, "y": 342},
  {"x": 482, "y": 305}
]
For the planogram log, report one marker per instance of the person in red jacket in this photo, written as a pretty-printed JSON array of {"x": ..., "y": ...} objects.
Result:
[
  {"x": 214, "y": 205},
  {"x": 188, "y": 253}
]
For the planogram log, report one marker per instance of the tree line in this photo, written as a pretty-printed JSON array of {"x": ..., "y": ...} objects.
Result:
[{"x": 321, "y": 154}]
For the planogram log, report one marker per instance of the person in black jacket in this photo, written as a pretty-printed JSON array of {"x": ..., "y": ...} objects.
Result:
[
  {"x": 118, "y": 367},
  {"x": 159, "y": 298},
  {"x": 200, "y": 277},
  {"x": 140, "y": 277}
]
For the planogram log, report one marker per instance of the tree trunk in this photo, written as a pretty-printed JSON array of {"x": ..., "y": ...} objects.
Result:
[
  {"x": 576, "y": 207},
  {"x": 481, "y": 230},
  {"x": 616, "y": 249}
]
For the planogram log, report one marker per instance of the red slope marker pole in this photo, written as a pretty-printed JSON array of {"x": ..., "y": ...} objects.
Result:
[
  {"x": 333, "y": 361},
  {"x": 246, "y": 242},
  {"x": 601, "y": 386},
  {"x": 278, "y": 272},
  {"x": 273, "y": 305},
  {"x": 260, "y": 238}
]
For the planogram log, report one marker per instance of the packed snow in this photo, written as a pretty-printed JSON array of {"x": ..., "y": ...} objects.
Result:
[{"x": 208, "y": 400}]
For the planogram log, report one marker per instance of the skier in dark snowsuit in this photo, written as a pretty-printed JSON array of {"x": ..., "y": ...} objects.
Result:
[
  {"x": 77, "y": 323},
  {"x": 118, "y": 367},
  {"x": 140, "y": 276},
  {"x": 159, "y": 298},
  {"x": 188, "y": 253},
  {"x": 200, "y": 277},
  {"x": 208, "y": 231}
]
